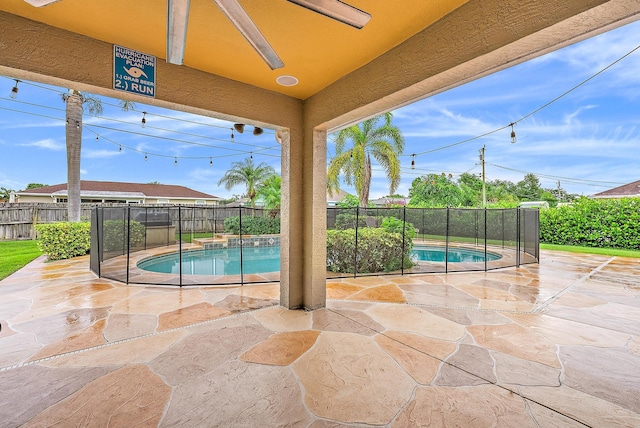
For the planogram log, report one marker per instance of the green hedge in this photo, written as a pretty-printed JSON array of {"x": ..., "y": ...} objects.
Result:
[
  {"x": 252, "y": 225},
  {"x": 601, "y": 223},
  {"x": 64, "y": 240},
  {"x": 114, "y": 235},
  {"x": 378, "y": 251}
]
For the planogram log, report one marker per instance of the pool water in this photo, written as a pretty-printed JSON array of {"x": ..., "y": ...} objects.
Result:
[
  {"x": 226, "y": 261},
  {"x": 454, "y": 255}
]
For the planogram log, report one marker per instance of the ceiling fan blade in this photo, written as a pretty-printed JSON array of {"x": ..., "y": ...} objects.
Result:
[
  {"x": 177, "y": 18},
  {"x": 337, "y": 10},
  {"x": 241, "y": 20},
  {"x": 40, "y": 3}
]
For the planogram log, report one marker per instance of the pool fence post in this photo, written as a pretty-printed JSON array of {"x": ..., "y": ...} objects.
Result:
[
  {"x": 180, "y": 242},
  {"x": 128, "y": 238},
  {"x": 446, "y": 245},
  {"x": 485, "y": 239},
  {"x": 518, "y": 226},
  {"x": 404, "y": 226},
  {"x": 355, "y": 250},
  {"x": 240, "y": 239}
]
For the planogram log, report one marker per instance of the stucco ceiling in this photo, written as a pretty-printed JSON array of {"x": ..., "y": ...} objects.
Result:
[{"x": 315, "y": 49}]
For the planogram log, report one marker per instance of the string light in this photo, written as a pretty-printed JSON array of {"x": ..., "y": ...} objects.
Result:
[
  {"x": 175, "y": 161},
  {"x": 120, "y": 149},
  {"x": 413, "y": 161},
  {"x": 210, "y": 161},
  {"x": 97, "y": 137},
  {"x": 144, "y": 118},
  {"x": 77, "y": 124},
  {"x": 251, "y": 155},
  {"x": 146, "y": 158},
  {"x": 14, "y": 90},
  {"x": 513, "y": 133},
  {"x": 232, "y": 136}
]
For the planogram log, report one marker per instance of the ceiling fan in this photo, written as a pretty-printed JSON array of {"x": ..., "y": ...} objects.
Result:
[{"x": 178, "y": 16}]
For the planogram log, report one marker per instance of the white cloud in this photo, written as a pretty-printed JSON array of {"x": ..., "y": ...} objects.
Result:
[
  {"x": 48, "y": 144},
  {"x": 100, "y": 154}
]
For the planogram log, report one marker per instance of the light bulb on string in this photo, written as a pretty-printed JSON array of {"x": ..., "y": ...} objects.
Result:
[
  {"x": 513, "y": 133},
  {"x": 146, "y": 157},
  {"x": 120, "y": 149},
  {"x": 175, "y": 161},
  {"x": 210, "y": 162},
  {"x": 144, "y": 118},
  {"x": 77, "y": 124},
  {"x": 413, "y": 161},
  {"x": 97, "y": 138},
  {"x": 251, "y": 155},
  {"x": 14, "y": 90},
  {"x": 232, "y": 134}
]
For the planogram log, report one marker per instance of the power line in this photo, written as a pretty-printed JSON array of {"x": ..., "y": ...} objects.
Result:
[
  {"x": 532, "y": 112},
  {"x": 260, "y": 149}
]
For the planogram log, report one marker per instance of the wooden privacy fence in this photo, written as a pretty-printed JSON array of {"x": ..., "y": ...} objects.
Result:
[{"x": 17, "y": 221}]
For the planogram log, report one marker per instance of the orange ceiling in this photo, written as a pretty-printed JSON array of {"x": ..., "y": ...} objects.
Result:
[{"x": 315, "y": 49}]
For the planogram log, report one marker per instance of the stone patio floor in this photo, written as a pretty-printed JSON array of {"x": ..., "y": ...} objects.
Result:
[{"x": 549, "y": 344}]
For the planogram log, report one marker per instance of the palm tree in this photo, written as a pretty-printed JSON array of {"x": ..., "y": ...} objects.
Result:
[
  {"x": 249, "y": 175},
  {"x": 269, "y": 192},
  {"x": 74, "y": 109},
  {"x": 74, "y": 101},
  {"x": 385, "y": 143}
]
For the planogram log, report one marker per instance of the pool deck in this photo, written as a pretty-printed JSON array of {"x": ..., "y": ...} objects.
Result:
[{"x": 549, "y": 344}]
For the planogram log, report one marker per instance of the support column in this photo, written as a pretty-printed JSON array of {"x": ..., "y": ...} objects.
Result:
[{"x": 303, "y": 249}]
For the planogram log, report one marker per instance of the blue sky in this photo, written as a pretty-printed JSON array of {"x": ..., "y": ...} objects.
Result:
[{"x": 588, "y": 140}]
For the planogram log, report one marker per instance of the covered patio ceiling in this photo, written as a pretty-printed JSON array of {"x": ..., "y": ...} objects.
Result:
[{"x": 425, "y": 47}]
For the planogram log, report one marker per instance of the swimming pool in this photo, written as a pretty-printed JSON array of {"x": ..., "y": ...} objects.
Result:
[
  {"x": 454, "y": 255},
  {"x": 226, "y": 261}
]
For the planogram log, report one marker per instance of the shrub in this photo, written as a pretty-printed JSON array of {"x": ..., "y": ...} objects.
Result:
[
  {"x": 601, "y": 223},
  {"x": 348, "y": 221},
  {"x": 114, "y": 234},
  {"x": 252, "y": 225},
  {"x": 395, "y": 225},
  {"x": 377, "y": 251},
  {"x": 64, "y": 240}
]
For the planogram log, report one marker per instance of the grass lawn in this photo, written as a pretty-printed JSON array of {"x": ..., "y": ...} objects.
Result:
[
  {"x": 16, "y": 254},
  {"x": 590, "y": 250}
]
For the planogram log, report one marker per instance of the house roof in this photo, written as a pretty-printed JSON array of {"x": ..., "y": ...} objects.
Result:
[
  {"x": 336, "y": 196},
  {"x": 624, "y": 191},
  {"x": 119, "y": 189}
]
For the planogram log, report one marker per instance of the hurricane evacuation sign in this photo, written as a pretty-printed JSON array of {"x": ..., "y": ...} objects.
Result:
[{"x": 134, "y": 71}]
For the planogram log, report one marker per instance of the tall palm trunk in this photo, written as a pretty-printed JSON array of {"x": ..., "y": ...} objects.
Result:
[
  {"x": 366, "y": 182},
  {"x": 74, "y": 144}
]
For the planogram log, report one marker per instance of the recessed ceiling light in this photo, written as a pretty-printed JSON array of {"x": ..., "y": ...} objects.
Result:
[{"x": 287, "y": 80}]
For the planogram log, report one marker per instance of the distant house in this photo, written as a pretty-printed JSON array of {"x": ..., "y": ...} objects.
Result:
[
  {"x": 335, "y": 197},
  {"x": 117, "y": 192},
  {"x": 631, "y": 190},
  {"x": 388, "y": 201}
]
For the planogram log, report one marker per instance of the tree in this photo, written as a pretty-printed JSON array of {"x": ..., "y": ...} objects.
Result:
[
  {"x": 5, "y": 193},
  {"x": 34, "y": 186},
  {"x": 269, "y": 192},
  {"x": 74, "y": 101},
  {"x": 384, "y": 143},
  {"x": 435, "y": 191},
  {"x": 74, "y": 109},
  {"x": 248, "y": 174}
]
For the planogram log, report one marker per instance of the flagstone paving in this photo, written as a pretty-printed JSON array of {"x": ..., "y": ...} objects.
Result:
[{"x": 549, "y": 344}]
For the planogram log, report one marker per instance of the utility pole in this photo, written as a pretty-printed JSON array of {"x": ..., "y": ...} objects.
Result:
[
  {"x": 484, "y": 189},
  {"x": 559, "y": 192}
]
